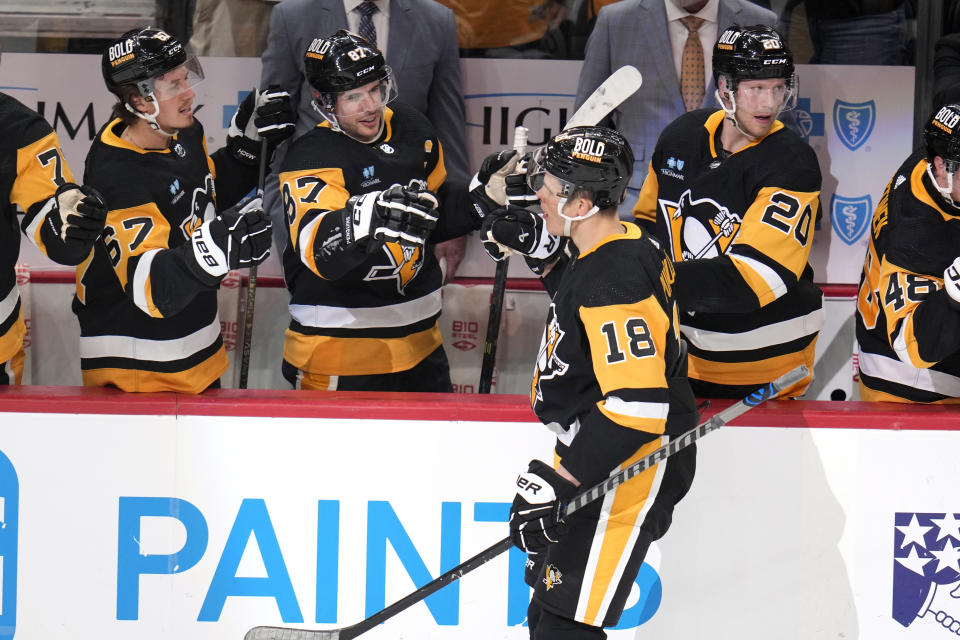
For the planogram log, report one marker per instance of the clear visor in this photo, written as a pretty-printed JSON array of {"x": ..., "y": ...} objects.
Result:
[
  {"x": 537, "y": 172},
  {"x": 760, "y": 95},
  {"x": 366, "y": 99},
  {"x": 179, "y": 80}
]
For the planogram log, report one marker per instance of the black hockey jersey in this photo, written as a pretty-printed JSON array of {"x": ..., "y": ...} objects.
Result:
[
  {"x": 609, "y": 346},
  {"x": 146, "y": 323},
  {"x": 908, "y": 331},
  {"x": 362, "y": 314},
  {"x": 31, "y": 169},
  {"x": 740, "y": 227}
]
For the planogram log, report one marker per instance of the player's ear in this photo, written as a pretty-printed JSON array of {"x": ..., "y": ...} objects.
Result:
[{"x": 137, "y": 102}]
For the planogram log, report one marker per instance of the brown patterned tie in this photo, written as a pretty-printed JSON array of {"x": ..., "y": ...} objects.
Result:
[{"x": 691, "y": 65}]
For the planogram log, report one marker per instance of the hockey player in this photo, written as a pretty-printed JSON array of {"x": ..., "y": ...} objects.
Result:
[
  {"x": 610, "y": 380},
  {"x": 908, "y": 307},
  {"x": 734, "y": 197},
  {"x": 62, "y": 219},
  {"x": 364, "y": 193},
  {"x": 147, "y": 297}
]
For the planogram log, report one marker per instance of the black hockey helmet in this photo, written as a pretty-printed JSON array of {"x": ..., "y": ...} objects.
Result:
[
  {"x": 752, "y": 53},
  {"x": 342, "y": 62},
  {"x": 597, "y": 159},
  {"x": 140, "y": 56},
  {"x": 941, "y": 136}
]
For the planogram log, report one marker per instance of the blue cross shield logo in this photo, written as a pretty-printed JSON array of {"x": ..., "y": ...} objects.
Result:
[
  {"x": 809, "y": 121},
  {"x": 854, "y": 122},
  {"x": 368, "y": 172},
  {"x": 850, "y": 217}
]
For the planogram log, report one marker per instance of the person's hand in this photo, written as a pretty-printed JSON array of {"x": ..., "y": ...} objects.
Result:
[
  {"x": 516, "y": 229},
  {"x": 536, "y": 518},
  {"x": 232, "y": 240},
  {"x": 78, "y": 218}
]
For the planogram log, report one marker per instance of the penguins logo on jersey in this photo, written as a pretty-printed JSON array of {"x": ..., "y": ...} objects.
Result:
[
  {"x": 552, "y": 577},
  {"x": 405, "y": 263},
  {"x": 548, "y": 364},
  {"x": 201, "y": 206},
  {"x": 699, "y": 228}
]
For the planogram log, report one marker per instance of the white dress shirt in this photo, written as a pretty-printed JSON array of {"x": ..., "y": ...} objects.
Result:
[
  {"x": 678, "y": 34},
  {"x": 381, "y": 20}
]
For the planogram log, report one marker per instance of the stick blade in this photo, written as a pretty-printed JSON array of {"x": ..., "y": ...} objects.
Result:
[
  {"x": 281, "y": 633},
  {"x": 621, "y": 84}
]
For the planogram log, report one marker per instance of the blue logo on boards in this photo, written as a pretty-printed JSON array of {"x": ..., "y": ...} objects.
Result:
[
  {"x": 9, "y": 510},
  {"x": 854, "y": 122},
  {"x": 253, "y": 532},
  {"x": 926, "y": 568},
  {"x": 811, "y": 122},
  {"x": 850, "y": 217}
]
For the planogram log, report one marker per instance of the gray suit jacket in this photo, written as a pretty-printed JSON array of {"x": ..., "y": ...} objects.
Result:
[
  {"x": 635, "y": 32},
  {"x": 422, "y": 52}
]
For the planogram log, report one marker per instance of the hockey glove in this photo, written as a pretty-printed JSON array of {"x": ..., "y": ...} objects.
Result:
[
  {"x": 232, "y": 240},
  {"x": 535, "y": 515},
  {"x": 951, "y": 282},
  {"x": 516, "y": 229},
  {"x": 400, "y": 214},
  {"x": 77, "y": 219},
  {"x": 267, "y": 114}
]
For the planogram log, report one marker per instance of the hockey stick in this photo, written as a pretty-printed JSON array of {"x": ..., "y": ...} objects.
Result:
[
  {"x": 759, "y": 396},
  {"x": 499, "y": 290},
  {"x": 621, "y": 84},
  {"x": 252, "y": 281}
]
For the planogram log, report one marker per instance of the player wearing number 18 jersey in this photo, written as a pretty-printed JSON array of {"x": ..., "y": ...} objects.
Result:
[
  {"x": 735, "y": 197},
  {"x": 908, "y": 307},
  {"x": 610, "y": 380}
]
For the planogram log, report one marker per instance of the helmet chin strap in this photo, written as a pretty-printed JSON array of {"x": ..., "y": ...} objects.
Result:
[
  {"x": 335, "y": 124},
  {"x": 947, "y": 191},
  {"x": 568, "y": 225},
  {"x": 151, "y": 118},
  {"x": 732, "y": 112}
]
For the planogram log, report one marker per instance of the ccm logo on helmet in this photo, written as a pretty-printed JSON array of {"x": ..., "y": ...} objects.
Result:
[
  {"x": 121, "y": 51},
  {"x": 946, "y": 119},
  {"x": 775, "y": 61},
  {"x": 590, "y": 150}
]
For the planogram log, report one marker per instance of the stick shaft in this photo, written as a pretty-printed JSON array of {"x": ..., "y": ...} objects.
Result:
[{"x": 252, "y": 282}]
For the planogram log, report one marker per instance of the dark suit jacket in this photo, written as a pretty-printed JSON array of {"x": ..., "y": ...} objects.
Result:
[
  {"x": 635, "y": 32},
  {"x": 422, "y": 50}
]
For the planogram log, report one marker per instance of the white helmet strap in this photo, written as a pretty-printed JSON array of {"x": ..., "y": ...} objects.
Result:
[
  {"x": 568, "y": 225},
  {"x": 947, "y": 191},
  {"x": 151, "y": 118}
]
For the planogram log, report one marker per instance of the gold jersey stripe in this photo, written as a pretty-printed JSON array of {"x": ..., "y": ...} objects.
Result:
[
  {"x": 192, "y": 380},
  {"x": 646, "y": 207},
  {"x": 439, "y": 172},
  {"x": 359, "y": 356},
  {"x": 756, "y": 372},
  {"x": 619, "y": 530},
  {"x": 11, "y": 341}
]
